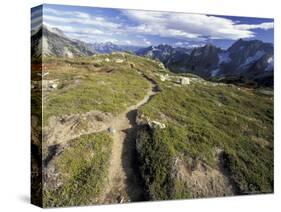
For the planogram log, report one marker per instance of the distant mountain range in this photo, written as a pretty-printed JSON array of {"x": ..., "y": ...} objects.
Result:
[
  {"x": 109, "y": 47},
  {"x": 245, "y": 60},
  {"x": 52, "y": 41}
]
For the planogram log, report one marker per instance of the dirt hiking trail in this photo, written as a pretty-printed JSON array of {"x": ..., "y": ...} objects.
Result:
[{"x": 124, "y": 183}]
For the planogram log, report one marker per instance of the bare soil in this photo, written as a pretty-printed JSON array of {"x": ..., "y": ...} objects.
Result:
[
  {"x": 206, "y": 181},
  {"x": 124, "y": 183}
]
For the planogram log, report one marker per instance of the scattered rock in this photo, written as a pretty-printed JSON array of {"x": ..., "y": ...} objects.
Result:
[
  {"x": 54, "y": 86},
  {"x": 119, "y": 61},
  {"x": 120, "y": 199},
  {"x": 77, "y": 81},
  {"x": 184, "y": 81},
  {"x": 132, "y": 65},
  {"x": 50, "y": 84},
  {"x": 107, "y": 60},
  {"x": 99, "y": 61},
  {"x": 219, "y": 104},
  {"x": 156, "y": 124},
  {"x": 111, "y": 130},
  {"x": 161, "y": 65},
  {"x": 43, "y": 74},
  {"x": 162, "y": 78}
]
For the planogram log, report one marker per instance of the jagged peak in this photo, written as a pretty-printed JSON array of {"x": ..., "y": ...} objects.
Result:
[{"x": 53, "y": 30}]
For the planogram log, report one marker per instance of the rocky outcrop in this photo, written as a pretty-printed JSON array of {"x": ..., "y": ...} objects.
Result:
[
  {"x": 52, "y": 42},
  {"x": 156, "y": 124}
]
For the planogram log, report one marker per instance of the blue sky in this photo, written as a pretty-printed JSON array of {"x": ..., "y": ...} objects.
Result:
[{"x": 145, "y": 28}]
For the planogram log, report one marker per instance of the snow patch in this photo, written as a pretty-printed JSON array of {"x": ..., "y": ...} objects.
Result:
[
  {"x": 45, "y": 46},
  {"x": 197, "y": 52},
  {"x": 54, "y": 30},
  {"x": 67, "y": 52},
  {"x": 254, "y": 58},
  {"x": 270, "y": 62},
  {"x": 150, "y": 53},
  {"x": 215, "y": 72},
  {"x": 224, "y": 58}
]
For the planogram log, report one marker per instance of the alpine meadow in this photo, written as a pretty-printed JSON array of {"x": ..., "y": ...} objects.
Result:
[{"x": 131, "y": 105}]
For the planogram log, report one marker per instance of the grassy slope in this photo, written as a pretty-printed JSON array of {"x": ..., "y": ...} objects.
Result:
[
  {"x": 96, "y": 89},
  {"x": 83, "y": 168},
  {"x": 87, "y": 84},
  {"x": 156, "y": 159},
  {"x": 200, "y": 118}
]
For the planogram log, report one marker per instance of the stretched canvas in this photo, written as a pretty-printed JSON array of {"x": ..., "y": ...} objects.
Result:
[{"x": 133, "y": 105}]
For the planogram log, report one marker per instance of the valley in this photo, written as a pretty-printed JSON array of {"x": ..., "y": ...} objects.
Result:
[
  {"x": 154, "y": 136},
  {"x": 141, "y": 125}
]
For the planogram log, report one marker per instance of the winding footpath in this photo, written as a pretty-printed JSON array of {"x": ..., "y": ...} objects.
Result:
[{"x": 124, "y": 184}]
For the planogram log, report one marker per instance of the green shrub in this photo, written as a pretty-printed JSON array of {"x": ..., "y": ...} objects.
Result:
[
  {"x": 156, "y": 160},
  {"x": 82, "y": 168},
  {"x": 202, "y": 117}
]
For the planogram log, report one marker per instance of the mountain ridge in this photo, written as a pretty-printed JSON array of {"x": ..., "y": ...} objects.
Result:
[
  {"x": 244, "y": 61},
  {"x": 53, "y": 42}
]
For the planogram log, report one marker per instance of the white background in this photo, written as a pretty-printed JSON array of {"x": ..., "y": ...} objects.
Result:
[{"x": 15, "y": 105}]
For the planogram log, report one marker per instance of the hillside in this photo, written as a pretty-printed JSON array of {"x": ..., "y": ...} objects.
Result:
[
  {"x": 218, "y": 141},
  {"x": 119, "y": 128},
  {"x": 53, "y": 42}
]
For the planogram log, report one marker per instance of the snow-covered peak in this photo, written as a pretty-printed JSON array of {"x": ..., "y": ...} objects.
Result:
[
  {"x": 224, "y": 58},
  {"x": 253, "y": 58},
  {"x": 270, "y": 62}
]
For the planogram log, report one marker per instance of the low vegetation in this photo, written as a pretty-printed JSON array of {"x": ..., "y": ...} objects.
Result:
[
  {"x": 82, "y": 169},
  {"x": 85, "y": 87},
  {"x": 201, "y": 118},
  {"x": 156, "y": 157}
]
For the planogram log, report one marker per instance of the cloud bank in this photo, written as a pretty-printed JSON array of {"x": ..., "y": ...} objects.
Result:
[{"x": 137, "y": 27}]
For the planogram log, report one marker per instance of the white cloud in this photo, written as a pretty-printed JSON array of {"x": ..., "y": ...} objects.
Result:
[
  {"x": 91, "y": 38},
  {"x": 264, "y": 26},
  {"x": 196, "y": 45},
  {"x": 184, "y": 27},
  {"x": 36, "y": 18},
  {"x": 78, "y": 30},
  {"x": 35, "y": 13},
  {"x": 36, "y": 22},
  {"x": 191, "y": 26},
  {"x": 188, "y": 44},
  {"x": 80, "y": 25},
  {"x": 146, "y": 42},
  {"x": 179, "y": 43},
  {"x": 64, "y": 17},
  {"x": 93, "y": 21}
]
